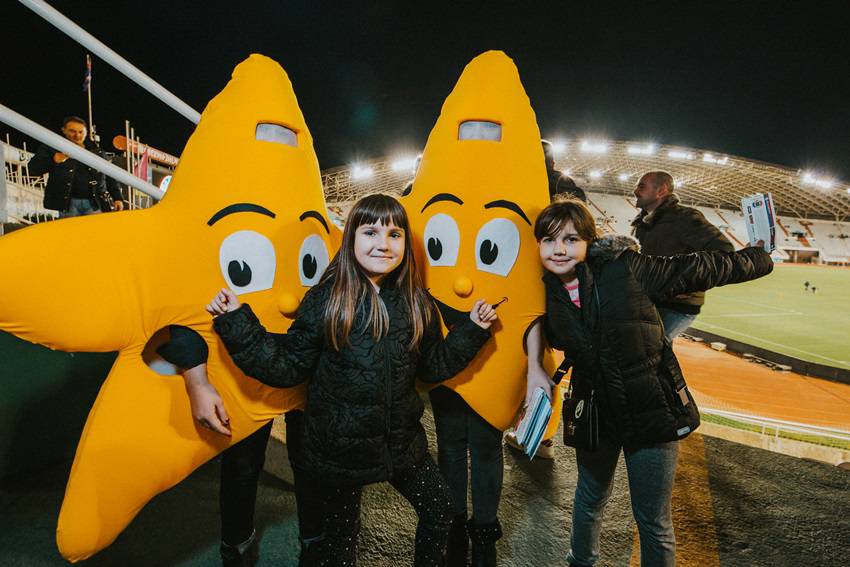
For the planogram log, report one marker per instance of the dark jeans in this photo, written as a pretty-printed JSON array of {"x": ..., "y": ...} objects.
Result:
[
  {"x": 464, "y": 438},
  {"x": 423, "y": 486},
  {"x": 240, "y": 473}
]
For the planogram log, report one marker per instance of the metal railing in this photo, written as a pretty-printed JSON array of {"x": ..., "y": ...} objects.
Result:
[
  {"x": 22, "y": 193},
  {"x": 778, "y": 428}
]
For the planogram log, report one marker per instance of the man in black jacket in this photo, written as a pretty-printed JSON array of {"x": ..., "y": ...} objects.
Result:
[
  {"x": 74, "y": 188},
  {"x": 664, "y": 227}
]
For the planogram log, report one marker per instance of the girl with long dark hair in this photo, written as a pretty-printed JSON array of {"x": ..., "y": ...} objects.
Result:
[{"x": 362, "y": 336}]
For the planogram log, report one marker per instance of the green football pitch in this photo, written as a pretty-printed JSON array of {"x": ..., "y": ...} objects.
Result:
[{"x": 778, "y": 314}]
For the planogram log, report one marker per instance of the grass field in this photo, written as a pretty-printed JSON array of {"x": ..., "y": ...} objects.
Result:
[{"x": 778, "y": 314}]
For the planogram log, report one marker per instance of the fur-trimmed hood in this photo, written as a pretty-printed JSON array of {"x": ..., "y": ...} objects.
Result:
[{"x": 611, "y": 246}]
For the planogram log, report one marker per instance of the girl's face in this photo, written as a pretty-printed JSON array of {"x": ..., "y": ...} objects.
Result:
[
  {"x": 379, "y": 249},
  {"x": 560, "y": 254}
]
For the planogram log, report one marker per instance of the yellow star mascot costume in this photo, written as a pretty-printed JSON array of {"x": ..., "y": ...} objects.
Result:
[
  {"x": 481, "y": 183},
  {"x": 245, "y": 210}
]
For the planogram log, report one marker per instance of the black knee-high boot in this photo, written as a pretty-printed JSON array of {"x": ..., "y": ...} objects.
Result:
[
  {"x": 457, "y": 550},
  {"x": 484, "y": 538}
]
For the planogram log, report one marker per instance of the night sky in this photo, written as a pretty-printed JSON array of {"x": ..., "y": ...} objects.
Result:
[{"x": 757, "y": 79}]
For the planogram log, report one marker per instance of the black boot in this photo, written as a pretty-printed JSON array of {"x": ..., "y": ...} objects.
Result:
[
  {"x": 484, "y": 538},
  {"x": 457, "y": 550},
  {"x": 243, "y": 555},
  {"x": 311, "y": 551}
]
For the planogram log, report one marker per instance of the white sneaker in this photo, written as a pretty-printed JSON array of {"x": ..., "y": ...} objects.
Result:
[
  {"x": 510, "y": 440},
  {"x": 546, "y": 450}
]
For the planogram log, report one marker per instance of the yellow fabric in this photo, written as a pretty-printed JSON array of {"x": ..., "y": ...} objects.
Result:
[
  {"x": 480, "y": 172},
  {"x": 109, "y": 282}
]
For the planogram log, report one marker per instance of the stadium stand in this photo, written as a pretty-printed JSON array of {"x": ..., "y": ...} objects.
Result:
[{"x": 813, "y": 212}]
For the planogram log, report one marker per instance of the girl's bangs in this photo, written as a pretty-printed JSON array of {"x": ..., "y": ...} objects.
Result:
[{"x": 379, "y": 209}]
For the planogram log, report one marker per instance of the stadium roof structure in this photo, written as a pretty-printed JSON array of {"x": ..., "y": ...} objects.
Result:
[{"x": 702, "y": 177}]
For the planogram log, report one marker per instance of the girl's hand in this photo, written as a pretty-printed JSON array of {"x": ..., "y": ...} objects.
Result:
[
  {"x": 207, "y": 405},
  {"x": 537, "y": 378},
  {"x": 483, "y": 314},
  {"x": 224, "y": 302}
]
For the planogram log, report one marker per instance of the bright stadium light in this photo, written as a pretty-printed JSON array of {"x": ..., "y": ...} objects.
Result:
[
  {"x": 623, "y": 176},
  {"x": 403, "y": 164},
  {"x": 822, "y": 182},
  {"x": 647, "y": 150},
  {"x": 559, "y": 146},
  {"x": 709, "y": 158},
  {"x": 677, "y": 154},
  {"x": 361, "y": 172},
  {"x": 595, "y": 174},
  {"x": 594, "y": 147}
]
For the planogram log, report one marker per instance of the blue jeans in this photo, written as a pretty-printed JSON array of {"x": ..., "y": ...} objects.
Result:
[
  {"x": 675, "y": 323},
  {"x": 651, "y": 472},
  {"x": 78, "y": 208}
]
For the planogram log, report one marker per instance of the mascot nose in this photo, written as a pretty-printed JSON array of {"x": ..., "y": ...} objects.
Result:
[
  {"x": 463, "y": 286},
  {"x": 288, "y": 304}
]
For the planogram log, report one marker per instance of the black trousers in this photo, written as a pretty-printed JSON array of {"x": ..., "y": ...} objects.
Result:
[
  {"x": 465, "y": 441},
  {"x": 423, "y": 486},
  {"x": 240, "y": 473}
]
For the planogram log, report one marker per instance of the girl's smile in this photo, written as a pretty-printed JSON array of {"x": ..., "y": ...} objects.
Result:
[
  {"x": 561, "y": 253},
  {"x": 379, "y": 249}
]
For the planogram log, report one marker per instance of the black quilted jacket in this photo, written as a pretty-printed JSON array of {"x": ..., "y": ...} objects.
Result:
[
  {"x": 616, "y": 339},
  {"x": 362, "y": 420},
  {"x": 57, "y": 194}
]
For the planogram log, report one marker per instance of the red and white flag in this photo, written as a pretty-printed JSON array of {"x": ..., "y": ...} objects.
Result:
[{"x": 142, "y": 169}]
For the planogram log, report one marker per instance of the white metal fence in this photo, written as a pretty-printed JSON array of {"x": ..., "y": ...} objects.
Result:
[{"x": 778, "y": 428}]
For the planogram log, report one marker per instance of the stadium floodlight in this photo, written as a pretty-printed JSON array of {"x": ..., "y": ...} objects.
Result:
[
  {"x": 559, "y": 146},
  {"x": 710, "y": 158},
  {"x": 595, "y": 174},
  {"x": 678, "y": 154},
  {"x": 647, "y": 150},
  {"x": 594, "y": 147},
  {"x": 822, "y": 182},
  {"x": 623, "y": 176},
  {"x": 403, "y": 164},
  {"x": 359, "y": 172}
]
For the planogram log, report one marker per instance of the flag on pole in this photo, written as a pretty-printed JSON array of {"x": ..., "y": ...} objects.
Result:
[
  {"x": 142, "y": 169},
  {"x": 87, "y": 80}
]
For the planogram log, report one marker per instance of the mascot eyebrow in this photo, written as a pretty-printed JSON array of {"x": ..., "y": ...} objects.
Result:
[
  {"x": 239, "y": 208},
  {"x": 315, "y": 215},
  {"x": 510, "y": 205},
  {"x": 501, "y": 203}
]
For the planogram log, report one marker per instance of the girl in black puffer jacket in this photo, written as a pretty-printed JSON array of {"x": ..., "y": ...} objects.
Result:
[
  {"x": 362, "y": 337},
  {"x": 600, "y": 295}
]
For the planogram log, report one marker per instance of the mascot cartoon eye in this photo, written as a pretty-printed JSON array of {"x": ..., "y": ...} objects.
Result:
[
  {"x": 247, "y": 261},
  {"x": 313, "y": 258},
  {"x": 497, "y": 247},
  {"x": 442, "y": 240},
  {"x": 276, "y": 133}
]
